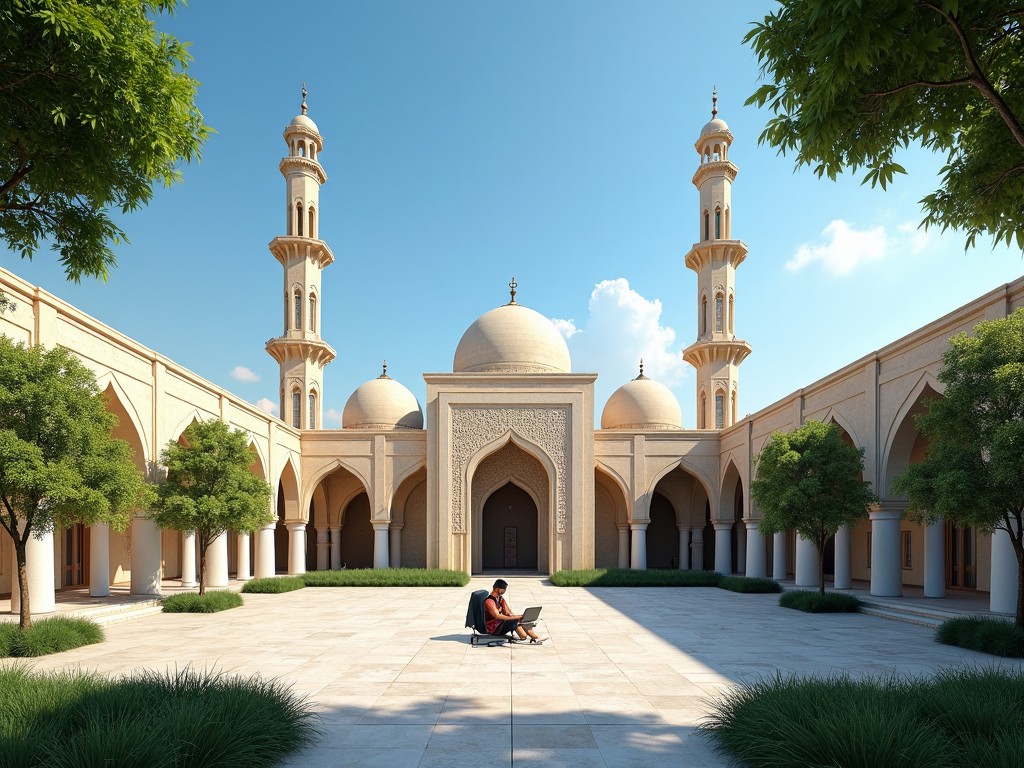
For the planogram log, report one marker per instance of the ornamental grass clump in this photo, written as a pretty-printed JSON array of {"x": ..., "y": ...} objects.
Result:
[
  {"x": 273, "y": 585},
  {"x": 959, "y": 718},
  {"x": 627, "y": 577},
  {"x": 46, "y": 636},
  {"x": 815, "y": 602},
  {"x": 386, "y": 577},
  {"x": 994, "y": 636},
  {"x": 749, "y": 585},
  {"x": 149, "y": 720},
  {"x": 211, "y": 602}
]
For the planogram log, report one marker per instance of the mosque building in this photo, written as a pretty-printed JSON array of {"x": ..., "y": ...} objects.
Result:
[{"x": 504, "y": 470}]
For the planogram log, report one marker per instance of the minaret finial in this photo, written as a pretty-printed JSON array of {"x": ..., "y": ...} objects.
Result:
[
  {"x": 513, "y": 285},
  {"x": 304, "y": 107},
  {"x": 384, "y": 373},
  {"x": 641, "y": 376},
  {"x": 714, "y": 102}
]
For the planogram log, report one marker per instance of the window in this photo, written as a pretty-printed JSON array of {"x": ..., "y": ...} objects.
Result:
[
  {"x": 730, "y": 314},
  {"x": 718, "y": 223},
  {"x": 703, "y": 411},
  {"x": 707, "y": 225},
  {"x": 718, "y": 313},
  {"x": 298, "y": 309},
  {"x": 312, "y": 313},
  {"x": 296, "y": 409},
  {"x": 312, "y": 410},
  {"x": 302, "y": 149},
  {"x": 298, "y": 208},
  {"x": 908, "y": 560},
  {"x": 719, "y": 411},
  {"x": 704, "y": 315},
  {"x": 311, "y": 222}
]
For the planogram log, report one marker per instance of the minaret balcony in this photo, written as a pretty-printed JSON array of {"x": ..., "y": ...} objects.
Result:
[
  {"x": 702, "y": 352},
  {"x": 714, "y": 168},
  {"x": 288, "y": 248},
  {"x": 711, "y": 252},
  {"x": 286, "y": 349},
  {"x": 304, "y": 164}
]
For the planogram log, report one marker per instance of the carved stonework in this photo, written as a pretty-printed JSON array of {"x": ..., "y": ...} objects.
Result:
[
  {"x": 473, "y": 428},
  {"x": 511, "y": 463}
]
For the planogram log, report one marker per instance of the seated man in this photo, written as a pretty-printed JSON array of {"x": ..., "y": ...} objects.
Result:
[{"x": 501, "y": 620}]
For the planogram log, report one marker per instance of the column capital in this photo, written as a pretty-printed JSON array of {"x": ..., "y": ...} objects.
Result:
[
  {"x": 723, "y": 526},
  {"x": 639, "y": 526},
  {"x": 381, "y": 525},
  {"x": 292, "y": 526},
  {"x": 885, "y": 514},
  {"x": 684, "y": 528}
]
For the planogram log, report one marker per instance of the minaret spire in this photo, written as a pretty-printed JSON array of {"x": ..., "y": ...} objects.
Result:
[
  {"x": 717, "y": 352},
  {"x": 512, "y": 288},
  {"x": 299, "y": 351}
]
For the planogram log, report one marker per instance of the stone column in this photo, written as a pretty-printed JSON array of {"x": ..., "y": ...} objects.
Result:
[
  {"x": 39, "y": 562},
  {"x": 1003, "y": 590},
  {"x": 323, "y": 545},
  {"x": 935, "y": 559},
  {"x": 806, "y": 563},
  {"x": 697, "y": 549},
  {"x": 684, "y": 547},
  {"x": 886, "y": 569},
  {"x": 146, "y": 557},
  {"x": 723, "y": 548},
  {"x": 779, "y": 556},
  {"x": 243, "y": 572},
  {"x": 296, "y": 548},
  {"x": 336, "y": 548},
  {"x": 99, "y": 560},
  {"x": 380, "y": 545},
  {"x": 188, "y": 559},
  {"x": 755, "y": 550},
  {"x": 638, "y": 549},
  {"x": 395, "y": 556},
  {"x": 623, "y": 546},
  {"x": 217, "y": 562},
  {"x": 844, "y": 566},
  {"x": 265, "y": 565}
]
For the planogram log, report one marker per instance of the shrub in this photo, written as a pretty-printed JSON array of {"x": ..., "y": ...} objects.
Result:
[
  {"x": 386, "y": 577},
  {"x": 46, "y": 636},
  {"x": 149, "y": 719},
  {"x": 749, "y": 584},
  {"x": 961, "y": 717},
  {"x": 995, "y": 636},
  {"x": 274, "y": 585},
  {"x": 814, "y": 602},
  {"x": 627, "y": 577},
  {"x": 211, "y": 602}
]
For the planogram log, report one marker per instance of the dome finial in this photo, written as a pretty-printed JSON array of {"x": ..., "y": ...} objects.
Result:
[
  {"x": 513, "y": 285},
  {"x": 304, "y": 107},
  {"x": 641, "y": 376},
  {"x": 384, "y": 373},
  {"x": 714, "y": 102}
]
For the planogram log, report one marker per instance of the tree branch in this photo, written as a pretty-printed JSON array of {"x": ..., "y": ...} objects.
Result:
[
  {"x": 925, "y": 84},
  {"x": 1002, "y": 177},
  {"x": 978, "y": 78}
]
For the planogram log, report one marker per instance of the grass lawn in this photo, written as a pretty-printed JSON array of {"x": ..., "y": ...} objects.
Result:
[
  {"x": 627, "y": 577},
  {"x": 386, "y": 577},
  {"x": 211, "y": 602},
  {"x": 46, "y": 636}
]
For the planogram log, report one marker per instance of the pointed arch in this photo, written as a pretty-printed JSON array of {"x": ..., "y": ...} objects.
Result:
[
  {"x": 511, "y": 436},
  {"x": 402, "y": 476},
  {"x": 313, "y": 480},
  {"x": 614, "y": 476},
  {"x": 259, "y": 464},
  {"x": 108, "y": 381},
  {"x": 288, "y": 488},
  {"x": 902, "y": 433},
  {"x": 833, "y": 414},
  {"x": 194, "y": 416},
  {"x": 702, "y": 479}
]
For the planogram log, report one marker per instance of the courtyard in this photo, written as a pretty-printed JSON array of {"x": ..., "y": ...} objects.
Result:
[{"x": 623, "y": 679}]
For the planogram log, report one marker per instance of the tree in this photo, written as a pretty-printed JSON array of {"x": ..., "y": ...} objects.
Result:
[
  {"x": 96, "y": 107},
  {"x": 209, "y": 487},
  {"x": 808, "y": 481},
  {"x": 973, "y": 473},
  {"x": 850, "y": 82},
  {"x": 59, "y": 464}
]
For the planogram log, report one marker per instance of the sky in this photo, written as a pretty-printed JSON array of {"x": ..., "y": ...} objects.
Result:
[{"x": 469, "y": 142}]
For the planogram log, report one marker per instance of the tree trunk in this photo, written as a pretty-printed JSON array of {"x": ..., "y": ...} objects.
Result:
[
  {"x": 821, "y": 570},
  {"x": 202, "y": 568},
  {"x": 1020, "y": 587},
  {"x": 25, "y": 616}
]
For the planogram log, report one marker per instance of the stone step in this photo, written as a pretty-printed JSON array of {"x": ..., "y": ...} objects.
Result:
[
  {"x": 918, "y": 617},
  {"x": 105, "y": 614}
]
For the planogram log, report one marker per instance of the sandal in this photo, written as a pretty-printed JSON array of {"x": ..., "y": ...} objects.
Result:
[{"x": 536, "y": 641}]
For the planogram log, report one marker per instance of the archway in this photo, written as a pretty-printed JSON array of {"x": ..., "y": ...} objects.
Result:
[
  {"x": 338, "y": 523},
  {"x": 409, "y": 522},
  {"x": 662, "y": 535},
  {"x": 679, "y": 499},
  {"x": 509, "y": 530},
  {"x": 357, "y": 533},
  {"x": 610, "y": 516}
]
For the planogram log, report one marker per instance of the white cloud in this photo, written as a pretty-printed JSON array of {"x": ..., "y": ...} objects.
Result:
[
  {"x": 623, "y": 327},
  {"x": 267, "y": 406},
  {"x": 842, "y": 248},
  {"x": 241, "y": 373},
  {"x": 332, "y": 416}
]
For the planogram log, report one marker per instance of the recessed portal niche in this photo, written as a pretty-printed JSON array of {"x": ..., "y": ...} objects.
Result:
[{"x": 509, "y": 530}]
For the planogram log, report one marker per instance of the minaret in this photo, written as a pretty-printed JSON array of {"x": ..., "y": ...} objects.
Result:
[
  {"x": 717, "y": 353},
  {"x": 300, "y": 351}
]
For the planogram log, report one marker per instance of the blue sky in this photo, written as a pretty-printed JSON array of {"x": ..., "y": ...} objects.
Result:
[{"x": 467, "y": 142}]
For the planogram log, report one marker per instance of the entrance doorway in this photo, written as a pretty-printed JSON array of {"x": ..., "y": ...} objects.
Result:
[
  {"x": 75, "y": 547},
  {"x": 962, "y": 557},
  {"x": 509, "y": 540}
]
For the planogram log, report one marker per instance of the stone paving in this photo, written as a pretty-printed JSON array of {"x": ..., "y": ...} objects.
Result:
[{"x": 623, "y": 680}]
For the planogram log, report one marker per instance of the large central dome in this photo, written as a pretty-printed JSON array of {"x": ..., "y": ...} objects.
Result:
[{"x": 512, "y": 339}]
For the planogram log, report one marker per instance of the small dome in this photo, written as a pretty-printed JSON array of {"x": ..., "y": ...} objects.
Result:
[
  {"x": 717, "y": 125},
  {"x": 305, "y": 122},
  {"x": 512, "y": 339},
  {"x": 642, "y": 404},
  {"x": 382, "y": 403}
]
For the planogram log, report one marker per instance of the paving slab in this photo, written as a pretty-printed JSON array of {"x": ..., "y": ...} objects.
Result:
[{"x": 623, "y": 680}]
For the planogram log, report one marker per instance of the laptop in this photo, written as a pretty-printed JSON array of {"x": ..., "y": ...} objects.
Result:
[{"x": 531, "y": 615}]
